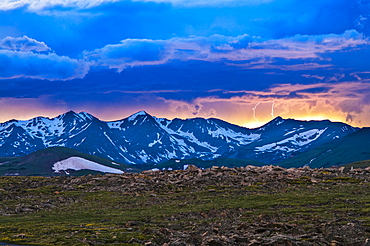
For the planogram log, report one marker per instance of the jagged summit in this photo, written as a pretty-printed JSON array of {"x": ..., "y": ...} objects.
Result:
[
  {"x": 140, "y": 113},
  {"x": 67, "y": 114},
  {"x": 276, "y": 121},
  {"x": 72, "y": 114},
  {"x": 278, "y": 118}
]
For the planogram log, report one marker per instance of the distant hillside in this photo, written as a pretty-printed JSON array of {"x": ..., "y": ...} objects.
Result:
[
  {"x": 358, "y": 164},
  {"x": 43, "y": 161}
]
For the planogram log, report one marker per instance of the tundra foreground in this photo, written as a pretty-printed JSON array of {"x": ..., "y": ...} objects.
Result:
[{"x": 218, "y": 206}]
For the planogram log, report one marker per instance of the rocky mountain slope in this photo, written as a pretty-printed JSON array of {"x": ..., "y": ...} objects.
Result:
[
  {"x": 350, "y": 148},
  {"x": 144, "y": 139}
]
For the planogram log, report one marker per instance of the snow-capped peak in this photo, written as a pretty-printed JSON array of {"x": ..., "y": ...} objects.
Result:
[
  {"x": 133, "y": 117},
  {"x": 73, "y": 116}
]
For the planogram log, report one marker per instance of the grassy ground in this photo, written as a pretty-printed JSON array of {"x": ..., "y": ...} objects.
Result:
[{"x": 47, "y": 211}]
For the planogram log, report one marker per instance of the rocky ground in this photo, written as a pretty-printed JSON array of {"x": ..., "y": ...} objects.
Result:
[{"x": 219, "y": 206}]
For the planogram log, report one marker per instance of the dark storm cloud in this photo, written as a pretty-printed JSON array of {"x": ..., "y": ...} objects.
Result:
[
  {"x": 130, "y": 52},
  {"x": 287, "y": 56},
  {"x": 15, "y": 64},
  {"x": 294, "y": 53}
]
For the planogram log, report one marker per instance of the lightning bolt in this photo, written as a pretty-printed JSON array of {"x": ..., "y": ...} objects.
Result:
[
  {"x": 254, "y": 111},
  {"x": 272, "y": 109}
]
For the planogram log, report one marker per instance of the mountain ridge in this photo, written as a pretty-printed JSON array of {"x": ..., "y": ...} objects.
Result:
[{"x": 145, "y": 139}]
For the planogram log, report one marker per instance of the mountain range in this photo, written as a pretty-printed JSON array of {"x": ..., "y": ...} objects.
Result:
[{"x": 143, "y": 140}]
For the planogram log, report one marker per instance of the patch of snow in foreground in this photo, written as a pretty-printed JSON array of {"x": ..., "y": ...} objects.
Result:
[{"x": 77, "y": 163}]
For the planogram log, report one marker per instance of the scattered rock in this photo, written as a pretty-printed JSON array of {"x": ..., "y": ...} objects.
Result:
[
  {"x": 230, "y": 229},
  {"x": 192, "y": 168},
  {"x": 214, "y": 242}
]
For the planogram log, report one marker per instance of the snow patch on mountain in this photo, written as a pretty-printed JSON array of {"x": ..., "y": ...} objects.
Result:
[
  {"x": 143, "y": 156},
  {"x": 229, "y": 135},
  {"x": 157, "y": 141},
  {"x": 190, "y": 136},
  {"x": 109, "y": 139},
  {"x": 298, "y": 140},
  {"x": 115, "y": 125},
  {"x": 78, "y": 163},
  {"x": 82, "y": 129},
  {"x": 162, "y": 121},
  {"x": 85, "y": 116},
  {"x": 79, "y": 143},
  {"x": 43, "y": 127},
  {"x": 293, "y": 131}
]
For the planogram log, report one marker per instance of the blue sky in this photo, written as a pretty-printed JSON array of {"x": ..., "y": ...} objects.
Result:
[{"x": 243, "y": 61}]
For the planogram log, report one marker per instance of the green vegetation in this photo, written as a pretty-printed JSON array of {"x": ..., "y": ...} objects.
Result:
[
  {"x": 359, "y": 164},
  {"x": 221, "y": 161},
  {"x": 74, "y": 211}
]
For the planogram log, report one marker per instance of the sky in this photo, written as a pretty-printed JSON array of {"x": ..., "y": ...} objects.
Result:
[{"x": 242, "y": 61}]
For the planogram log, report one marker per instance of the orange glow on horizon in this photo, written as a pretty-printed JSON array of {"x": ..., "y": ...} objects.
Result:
[
  {"x": 252, "y": 123},
  {"x": 341, "y": 102}
]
